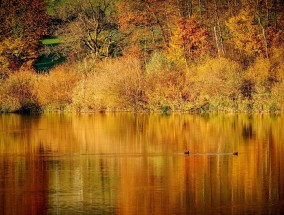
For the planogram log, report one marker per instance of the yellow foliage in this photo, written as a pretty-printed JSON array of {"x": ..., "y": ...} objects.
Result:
[
  {"x": 9, "y": 47},
  {"x": 124, "y": 84},
  {"x": 55, "y": 89},
  {"x": 31, "y": 91},
  {"x": 218, "y": 78},
  {"x": 175, "y": 52},
  {"x": 277, "y": 64},
  {"x": 259, "y": 74},
  {"x": 277, "y": 97},
  {"x": 164, "y": 85},
  {"x": 246, "y": 33},
  {"x": 266, "y": 77},
  {"x": 115, "y": 84},
  {"x": 18, "y": 91}
]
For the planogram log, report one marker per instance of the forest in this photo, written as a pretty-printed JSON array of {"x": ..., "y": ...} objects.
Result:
[{"x": 142, "y": 55}]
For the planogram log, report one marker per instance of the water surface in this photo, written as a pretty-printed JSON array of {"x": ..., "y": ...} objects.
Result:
[{"x": 134, "y": 164}]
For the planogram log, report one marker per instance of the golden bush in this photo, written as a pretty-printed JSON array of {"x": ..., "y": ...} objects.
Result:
[
  {"x": 217, "y": 81},
  {"x": 54, "y": 90},
  {"x": 18, "y": 92},
  {"x": 116, "y": 84},
  {"x": 128, "y": 84},
  {"x": 164, "y": 83}
]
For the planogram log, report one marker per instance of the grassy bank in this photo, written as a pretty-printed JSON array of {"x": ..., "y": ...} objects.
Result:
[{"x": 159, "y": 85}]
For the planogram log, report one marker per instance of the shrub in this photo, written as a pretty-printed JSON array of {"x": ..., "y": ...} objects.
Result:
[
  {"x": 114, "y": 84},
  {"x": 164, "y": 84},
  {"x": 277, "y": 97},
  {"x": 29, "y": 91},
  {"x": 18, "y": 92},
  {"x": 218, "y": 82},
  {"x": 55, "y": 89},
  {"x": 127, "y": 84},
  {"x": 258, "y": 74}
]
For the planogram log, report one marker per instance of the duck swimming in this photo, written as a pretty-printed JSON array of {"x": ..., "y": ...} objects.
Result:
[{"x": 234, "y": 153}]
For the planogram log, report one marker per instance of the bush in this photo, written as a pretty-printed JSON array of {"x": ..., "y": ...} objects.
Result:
[
  {"x": 127, "y": 84},
  {"x": 218, "y": 82},
  {"x": 164, "y": 84},
  {"x": 18, "y": 92},
  {"x": 116, "y": 84},
  {"x": 32, "y": 92},
  {"x": 54, "y": 90},
  {"x": 277, "y": 97}
]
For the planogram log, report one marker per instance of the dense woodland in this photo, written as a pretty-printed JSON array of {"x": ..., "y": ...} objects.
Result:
[{"x": 142, "y": 55}]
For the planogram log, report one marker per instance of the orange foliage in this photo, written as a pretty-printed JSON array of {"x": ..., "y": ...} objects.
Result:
[
  {"x": 146, "y": 23},
  {"x": 54, "y": 90},
  {"x": 18, "y": 92},
  {"x": 190, "y": 38},
  {"x": 116, "y": 84},
  {"x": 29, "y": 91}
]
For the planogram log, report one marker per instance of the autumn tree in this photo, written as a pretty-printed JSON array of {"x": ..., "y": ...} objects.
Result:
[
  {"x": 189, "y": 41},
  {"x": 147, "y": 24},
  {"x": 23, "y": 23},
  {"x": 247, "y": 34},
  {"x": 87, "y": 28}
]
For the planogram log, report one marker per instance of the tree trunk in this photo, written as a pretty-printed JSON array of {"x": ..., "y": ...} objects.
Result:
[
  {"x": 217, "y": 42},
  {"x": 275, "y": 13},
  {"x": 263, "y": 30},
  {"x": 159, "y": 24},
  {"x": 218, "y": 35},
  {"x": 264, "y": 38}
]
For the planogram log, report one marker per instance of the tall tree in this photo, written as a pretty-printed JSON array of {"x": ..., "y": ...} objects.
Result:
[
  {"x": 189, "y": 40},
  {"x": 87, "y": 28},
  {"x": 147, "y": 23},
  {"x": 247, "y": 34}
]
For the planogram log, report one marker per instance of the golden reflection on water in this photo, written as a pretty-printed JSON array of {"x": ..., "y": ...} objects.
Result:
[{"x": 133, "y": 164}]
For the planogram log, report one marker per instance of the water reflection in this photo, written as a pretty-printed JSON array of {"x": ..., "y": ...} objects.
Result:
[{"x": 131, "y": 164}]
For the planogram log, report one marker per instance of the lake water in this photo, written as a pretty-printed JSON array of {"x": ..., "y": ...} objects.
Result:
[{"x": 129, "y": 163}]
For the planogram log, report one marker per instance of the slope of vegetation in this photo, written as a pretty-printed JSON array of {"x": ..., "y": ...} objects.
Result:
[{"x": 151, "y": 55}]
